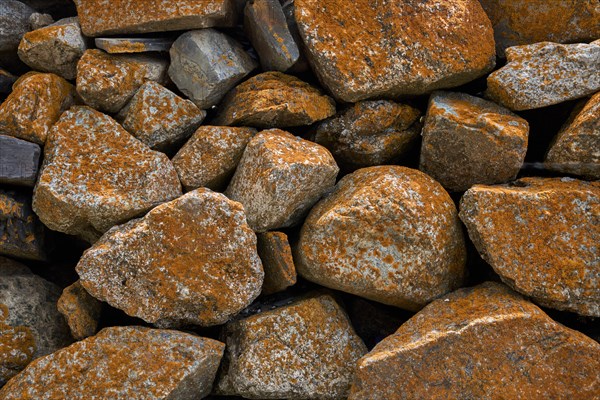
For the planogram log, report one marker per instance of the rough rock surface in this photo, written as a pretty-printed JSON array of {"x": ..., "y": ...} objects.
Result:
[
  {"x": 306, "y": 350},
  {"x": 80, "y": 310},
  {"x": 133, "y": 45},
  {"x": 467, "y": 140},
  {"x": 19, "y": 161},
  {"x": 96, "y": 175},
  {"x": 541, "y": 236},
  {"x": 38, "y": 20},
  {"x": 389, "y": 234},
  {"x": 274, "y": 99},
  {"x": 279, "y": 178},
  {"x": 17, "y": 345},
  {"x": 480, "y": 343},
  {"x": 364, "y": 49},
  {"x": 276, "y": 255},
  {"x": 543, "y": 74},
  {"x": 136, "y": 363},
  {"x": 14, "y": 23},
  {"x": 211, "y": 155},
  {"x": 190, "y": 261},
  {"x": 21, "y": 233}
]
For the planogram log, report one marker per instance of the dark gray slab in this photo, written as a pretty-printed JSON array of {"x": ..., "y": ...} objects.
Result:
[{"x": 19, "y": 161}]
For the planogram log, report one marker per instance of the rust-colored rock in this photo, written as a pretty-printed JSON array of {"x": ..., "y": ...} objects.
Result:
[
  {"x": 468, "y": 140},
  {"x": 81, "y": 311},
  {"x": 279, "y": 178},
  {"x": 21, "y": 233},
  {"x": 123, "y": 363},
  {"x": 276, "y": 255},
  {"x": 17, "y": 345},
  {"x": 389, "y": 234},
  {"x": 485, "y": 342},
  {"x": 306, "y": 350},
  {"x": 541, "y": 236},
  {"x": 133, "y": 45}
]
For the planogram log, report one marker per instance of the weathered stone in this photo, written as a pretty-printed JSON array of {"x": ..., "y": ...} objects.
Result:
[
  {"x": 37, "y": 20},
  {"x": 133, "y": 45},
  {"x": 274, "y": 100},
  {"x": 17, "y": 345},
  {"x": 276, "y": 256},
  {"x": 19, "y": 161},
  {"x": 107, "y": 81},
  {"x": 80, "y": 310},
  {"x": 206, "y": 64},
  {"x": 14, "y": 23},
  {"x": 279, "y": 178},
  {"x": 96, "y": 175},
  {"x": 468, "y": 140},
  {"x": 123, "y": 363},
  {"x": 543, "y": 74},
  {"x": 35, "y": 104},
  {"x": 160, "y": 118},
  {"x": 21, "y": 234},
  {"x": 289, "y": 10},
  {"x": 480, "y": 343},
  {"x": 6, "y": 82},
  {"x": 541, "y": 236},
  {"x": 211, "y": 155},
  {"x": 190, "y": 261},
  {"x": 362, "y": 49},
  {"x": 306, "y": 350},
  {"x": 369, "y": 133},
  {"x": 389, "y": 234}
]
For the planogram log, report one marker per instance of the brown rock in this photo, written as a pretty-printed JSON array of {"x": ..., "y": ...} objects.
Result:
[
  {"x": 389, "y": 234},
  {"x": 81, "y": 311},
  {"x": 485, "y": 342},
  {"x": 123, "y": 363},
  {"x": 17, "y": 345},
  {"x": 279, "y": 178},
  {"x": 21, "y": 233},
  {"x": 306, "y": 350},
  {"x": 541, "y": 236},
  {"x": 467, "y": 140},
  {"x": 276, "y": 255},
  {"x": 19, "y": 161}
]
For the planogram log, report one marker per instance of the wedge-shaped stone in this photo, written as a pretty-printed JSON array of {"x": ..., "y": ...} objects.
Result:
[
  {"x": 276, "y": 255},
  {"x": 80, "y": 310},
  {"x": 133, "y": 45}
]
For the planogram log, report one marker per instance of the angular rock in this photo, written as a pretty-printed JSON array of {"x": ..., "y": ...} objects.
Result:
[
  {"x": 276, "y": 255},
  {"x": 480, "y": 343},
  {"x": 123, "y": 363},
  {"x": 21, "y": 234},
  {"x": 306, "y": 350},
  {"x": 366, "y": 50},
  {"x": 206, "y": 64},
  {"x": 107, "y": 82},
  {"x": 468, "y": 140},
  {"x": 96, "y": 175},
  {"x": 369, "y": 133},
  {"x": 389, "y": 234},
  {"x": 80, "y": 310},
  {"x": 541, "y": 236},
  {"x": 6, "y": 82},
  {"x": 211, "y": 155},
  {"x": 17, "y": 345},
  {"x": 14, "y": 23},
  {"x": 190, "y": 261},
  {"x": 543, "y": 74},
  {"x": 19, "y": 161},
  {"x": 289, "y": 10},
  {"x": 274, "y": 100},
  {"x": 133, "y": 45},
  {"x": 37, "y": 20},
  {"x": 279, "y": 178}
]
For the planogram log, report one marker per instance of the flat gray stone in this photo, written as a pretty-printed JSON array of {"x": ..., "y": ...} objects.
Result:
[
  {"x": 133, "y": 45},
  {"x": 14, "y": 23},
  {"x": 19, "y": 161}
]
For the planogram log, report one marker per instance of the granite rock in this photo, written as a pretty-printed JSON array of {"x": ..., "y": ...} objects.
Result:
[
  {"x": 81, "y": 311},
  {"x": 21, "y": 233},
  {"x": 14, "y": 23},
  {"x": 276, "y": 255}
]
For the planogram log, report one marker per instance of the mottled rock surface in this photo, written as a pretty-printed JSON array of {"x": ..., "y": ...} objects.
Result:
[
  {"x": 80, "y": 310},
  {"x": 14, "y": 23},
  {"x": 19, "y": 161},
  {"x": 21, "y": 233},
  {"x": 17, "y": 345},
  {"x": 133, "y": 45},
  {"x": 276, "y": 255},
  {"x": 38, "y": 20}
]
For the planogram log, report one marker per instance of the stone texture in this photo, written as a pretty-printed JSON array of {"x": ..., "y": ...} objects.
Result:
[
  {"x": 306, "y": 350},
  {"x": 279, "y": 178},
  {"x": 80, "y": 310},
  {"x": 276, "y": 255},
  {"x": 37, "y": 20},
  {"x": 543, "y": 74},
  {"x": 107, "y": 81},
  {"x": 206, "y": 64},
  {"x": 485, "y": 342},
  {"x": 19, "y": 161},
  {"x": 14, "y": 23},
  {"x": 96, "y": 175},
  {"x": 467, "y": 140},
  {"x": 35, "y": 104},
  {"x": 389, "y": 234},
  {"x": 274, "y": 100},
  {"x": 17, "y": 345},
  {"x": 541, "y": 236},
  {"x": 133, "y": 45},
  {"x": 361, "y": 49},
  {"x": 190, "y": 261},
  {"x": 21, "y": 234},
  {"x": 370, "y": 133},
  {"x": 211, "y": 155},
  {"x": 123, "y": 363}
]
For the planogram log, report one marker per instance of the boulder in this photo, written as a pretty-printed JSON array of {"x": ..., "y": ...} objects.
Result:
[{"x": 80, "y": 310}]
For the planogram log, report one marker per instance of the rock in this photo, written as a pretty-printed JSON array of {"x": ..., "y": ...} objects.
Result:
[
  {"x": 37, "y": 20},
  {"x": 279, "y": 178},
  {"x": 123, "y": 362},
  {"x": 96, "y": 175},
  {"x": 107, "y": 82},
  {"x": 56, "y": 48},
  {"x": 21, "y": 234},
  {"x": 273, "y": 99},
  {"x": 576, "y": 148},
  {"x": 369, "y": 133},
  {"x": 306, "y": 350},
  {"x": 206, "y": 64},
  {"x": 389, "y": 234},
  {"x": 541, "y": 236},
  {"x": 480, "y": 343},
  {"x": 6, "y": 82},
  {"x": 365, "y": 50},
  {"x": 276, "y": 256},
  {"x": 160, "y": 118},
  {"x": 190, "y": 261},
  {"x": 35, "y": 104},
  {"x": 211, "y": 155},
  {"x": 543, "y": 74},
  {"x": 467, "y": 140},
  {"x": 80, "y": 310},
  {"x": 289, "y": 10},
  {"x": 17, "y": 345},
  {"x": 14, "y": 23},
  {"x": 133, "y": 45},
  {"x": 19, "y": 161}
]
